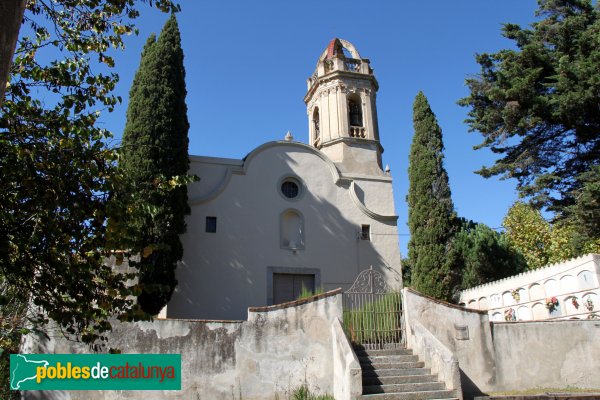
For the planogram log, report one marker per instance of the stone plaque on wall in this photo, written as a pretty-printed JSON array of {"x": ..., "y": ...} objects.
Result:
[{"x": 462, "y": 332}]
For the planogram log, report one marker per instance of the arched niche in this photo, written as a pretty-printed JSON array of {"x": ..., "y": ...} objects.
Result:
[
  {"x": 523, "y": 295},
  {"x": 524, "y": 314},
  {"x": 497, "y": 317},
  {"x": 507, "y": 299},
  {"x": 483, "y": 303},
  {"x": 536, "y": 292},
  {"x": 292, "y": 230},
  {"x": 473, "y": 304},
  {"x": 568, "y": 284},
  {"x": 355, "y": 112},
  {"x": 496, "y": 300},
  {"x": 539, "y": 311},
  {"x": 552, "y": 288},
  {"x": 595, "y": 302},
  {"x": 570, "y": 307},
  {"x": 316, "y": 125},
  {"x": 585, "y": 279}
]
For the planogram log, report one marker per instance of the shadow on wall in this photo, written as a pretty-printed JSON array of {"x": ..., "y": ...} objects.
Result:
[
  {"x": 469, "y": 388},
  {"x": 225, "y": 272}
]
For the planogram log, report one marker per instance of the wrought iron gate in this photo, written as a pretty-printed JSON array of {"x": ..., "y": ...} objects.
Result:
[{"x": 373, "y": 313}]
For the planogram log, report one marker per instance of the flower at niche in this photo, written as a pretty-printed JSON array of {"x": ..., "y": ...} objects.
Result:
[
  {"x": 575, "y": 302},
  {"x": 509, "y": 315},
  {"x": 515, "y": 295},
  {"x": 551, "y": 303},
  {"x": 589, "y": 304}
]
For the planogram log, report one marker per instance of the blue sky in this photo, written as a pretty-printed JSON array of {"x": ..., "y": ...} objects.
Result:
[{"x": 247, "y": 63}]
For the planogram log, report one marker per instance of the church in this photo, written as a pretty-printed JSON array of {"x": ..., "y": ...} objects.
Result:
[{"x": 293, "y": 215}]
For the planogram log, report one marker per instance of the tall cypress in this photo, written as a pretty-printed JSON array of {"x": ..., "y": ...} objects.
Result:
[
  {"x": 154, "y": 153},
  {"x": 431, "y": 217}
]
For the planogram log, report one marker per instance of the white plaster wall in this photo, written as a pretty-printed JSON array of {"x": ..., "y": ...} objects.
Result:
[
  {"x": 563, "y": 280},
  {"x": 446, "y": 322},
  {"x": 223, "y": 273},
  {"x": 347, "y": 373},
  {"x": 552, "y": 354}
]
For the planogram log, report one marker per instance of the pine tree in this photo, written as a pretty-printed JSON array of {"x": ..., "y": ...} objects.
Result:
[
  {"x": 484, "y": 255},
  {"x": 431, "y": 217},
  {"x": 536, "y": 103},
  {"x": 154, "y": 156}
]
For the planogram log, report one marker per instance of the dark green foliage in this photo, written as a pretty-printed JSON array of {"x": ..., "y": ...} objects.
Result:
[
  {"x": 484, "y": 255},
  {"x": 57, "y": 170},
  {"x": 154, "y": 154},
  {"x": 537, "y": 106},
  {"x": 430, "y": 208},
  {"x": 406, "y": 272},
  {"x": 585, "y": 213}
]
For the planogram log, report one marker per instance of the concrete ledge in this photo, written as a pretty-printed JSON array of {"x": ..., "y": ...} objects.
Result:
[
  {"x": 347, "y": 373},
  {"x": 436, "y": 356},
  {"x": 296, "y": 303},
  {"x": 457, "y": 307}
]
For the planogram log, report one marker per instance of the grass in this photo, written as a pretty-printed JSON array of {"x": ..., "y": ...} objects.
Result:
[
  {"x": 376, "y": 321},
  {"x": 303, "y": 393},
  {"x": 306, "y": 293}
]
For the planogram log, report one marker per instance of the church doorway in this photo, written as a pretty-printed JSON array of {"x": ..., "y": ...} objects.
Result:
[
  {"x": 287, "y": 287},
  {"x": 285, "y": 283}
]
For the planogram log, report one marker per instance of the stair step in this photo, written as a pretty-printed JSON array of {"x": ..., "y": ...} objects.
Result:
[
  {"x": 387, "y": 346},
  {"x": 395, "y": 372},
  {"x": 404, "y": 387},
  {"x": 386, "y": 352},
  {"x": 387, "y": 359},
  {"x": 426, "y": 395},
  {"x": 392, "y": 380},
  {"x": 402, "y": 365}
]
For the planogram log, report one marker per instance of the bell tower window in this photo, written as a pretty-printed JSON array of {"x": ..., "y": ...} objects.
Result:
[
  {"x": 316, "y": 126},
  {"x": 355, "y": 110}
]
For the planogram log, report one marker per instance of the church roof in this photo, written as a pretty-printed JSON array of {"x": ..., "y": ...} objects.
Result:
[{"x": 334, "y": 48}]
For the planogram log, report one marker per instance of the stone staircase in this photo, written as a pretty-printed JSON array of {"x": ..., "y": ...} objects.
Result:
[{"x": 397, "y": 374}]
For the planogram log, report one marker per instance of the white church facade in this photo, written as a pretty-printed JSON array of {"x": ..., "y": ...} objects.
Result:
[{"x": 291, "y": 214}]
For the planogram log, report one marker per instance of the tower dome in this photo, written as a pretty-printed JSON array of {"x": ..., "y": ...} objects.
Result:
[{"x": 342, "y": 110}]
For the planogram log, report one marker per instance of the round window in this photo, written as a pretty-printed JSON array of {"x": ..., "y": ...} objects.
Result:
[{"x": 290, "y": 189}]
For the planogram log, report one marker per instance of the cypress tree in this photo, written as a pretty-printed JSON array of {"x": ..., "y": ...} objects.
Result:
[
  {"x": 154, "y": 157},
  {"x": 431, "y": 217}
]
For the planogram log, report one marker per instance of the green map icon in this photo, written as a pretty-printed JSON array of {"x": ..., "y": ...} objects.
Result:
[{"x": 23, "y": 368}]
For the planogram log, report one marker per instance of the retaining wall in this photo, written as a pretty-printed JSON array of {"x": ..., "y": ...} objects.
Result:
[
  {"x": 276, "y": 350},
  {"x": 509, "y": 356}
]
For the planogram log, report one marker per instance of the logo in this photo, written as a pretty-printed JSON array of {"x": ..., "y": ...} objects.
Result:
[{"x": 95, "y": 371}]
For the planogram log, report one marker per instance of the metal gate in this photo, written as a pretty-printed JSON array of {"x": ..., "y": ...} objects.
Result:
[{"x": 373, "y": 313}]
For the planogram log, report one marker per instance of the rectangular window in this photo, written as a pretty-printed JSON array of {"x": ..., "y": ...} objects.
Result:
[
  {"x": 365, "y": 232},
  {"x": 211, "y": 224}
]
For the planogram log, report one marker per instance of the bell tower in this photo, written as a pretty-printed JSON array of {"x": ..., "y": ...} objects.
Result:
[{"x": 341, "y": 108}]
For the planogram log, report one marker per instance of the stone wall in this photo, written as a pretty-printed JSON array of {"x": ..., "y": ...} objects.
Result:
[
  {"x": 466, "y": 333},
  {"x": 510, "y": 356},
  {"x": 551, "y": 354},
  {"x": 276, "y": 350},
  {"x": 347, "y": 373}
]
